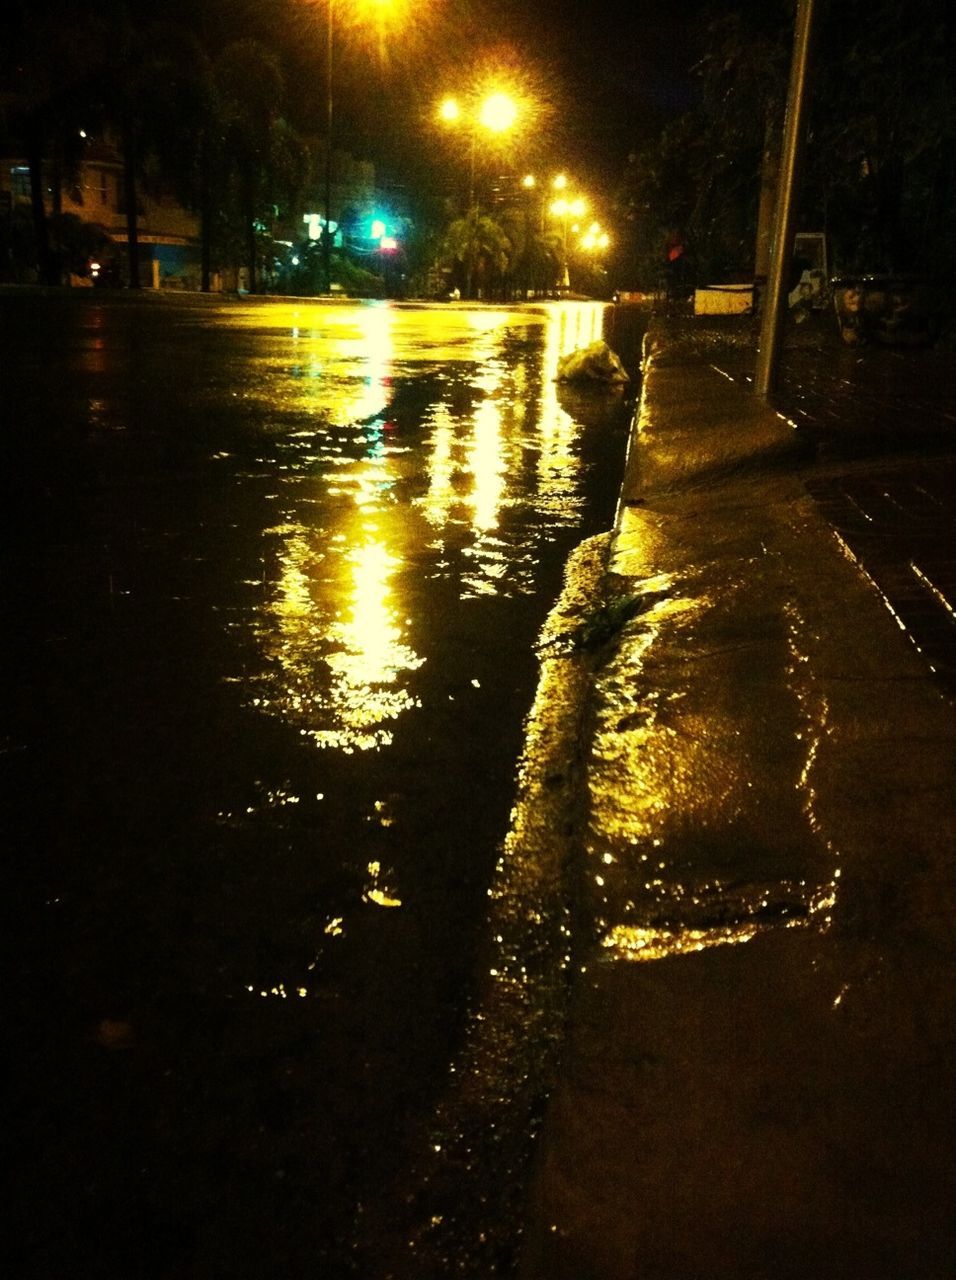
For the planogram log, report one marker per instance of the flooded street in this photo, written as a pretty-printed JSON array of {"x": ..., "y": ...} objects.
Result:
[{"x": 272, "y": 592}]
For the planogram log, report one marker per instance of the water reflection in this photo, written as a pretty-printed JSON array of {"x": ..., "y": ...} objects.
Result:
[{"x": 430, "y": 429}]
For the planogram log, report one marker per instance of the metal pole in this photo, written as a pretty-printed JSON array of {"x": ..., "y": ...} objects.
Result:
[
  {"x": 327, "y": 229},
  {"x": 775, "y": 300}
]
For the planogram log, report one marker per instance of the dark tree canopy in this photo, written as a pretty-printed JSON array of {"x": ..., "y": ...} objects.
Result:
[{"x": 881, "y": 150}]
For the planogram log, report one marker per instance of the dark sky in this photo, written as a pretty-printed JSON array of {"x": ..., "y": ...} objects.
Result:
[
  {"x": 610, "y": 72},
  {"x": 621, "y": 68}
]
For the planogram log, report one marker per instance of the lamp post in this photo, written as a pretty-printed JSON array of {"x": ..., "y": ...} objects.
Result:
[
  {"x": 327, "y": 232},
  {"x": 771, "y": 327},
  {"x": 594, "y": 242},
  {"x": 564, "y": 209},
  {"x": 496, "y": 113}
]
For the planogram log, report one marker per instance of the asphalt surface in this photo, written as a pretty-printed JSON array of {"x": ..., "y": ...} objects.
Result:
[{"x": 272, "y": 580}]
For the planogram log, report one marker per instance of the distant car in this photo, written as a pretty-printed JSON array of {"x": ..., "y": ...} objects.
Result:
[{"x": 625, "y": 296}]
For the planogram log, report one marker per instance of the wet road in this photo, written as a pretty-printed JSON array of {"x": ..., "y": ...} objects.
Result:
[{"x": 273, "y": 585}]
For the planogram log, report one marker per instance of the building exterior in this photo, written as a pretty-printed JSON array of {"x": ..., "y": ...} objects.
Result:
[
  {"x": 168, "y": 234},
  {"x": 89, "y": 231}
]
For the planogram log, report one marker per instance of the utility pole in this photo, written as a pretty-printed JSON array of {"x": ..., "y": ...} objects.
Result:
[
  {"x": 775, "y": 299},
  {"x": 327, "y": 229}
]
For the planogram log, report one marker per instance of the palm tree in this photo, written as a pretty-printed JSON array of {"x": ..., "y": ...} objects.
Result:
[
  {"x": 44, "y": 71},
  {"x": 537, "y": 256},
  {"x": 147, "y": 90},
  {"x": 260, "y": 156},
  {"x": 479, "y": 247}
]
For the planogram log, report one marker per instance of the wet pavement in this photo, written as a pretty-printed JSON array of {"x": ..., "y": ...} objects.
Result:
[
  {"x": 291, "y": 985},
  {"x": 273, "y": 585},
  {"x": 882, "y": 425},
  {"x": 758, "y": 1072}
]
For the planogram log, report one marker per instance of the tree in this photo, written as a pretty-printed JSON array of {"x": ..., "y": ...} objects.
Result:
[
  {"x": 880, "y": 172},
  {"x": 45, "y": 70},
  {"x": 146, "y": 92},
  {"x": 536, "y": 255},
  {"x": 259, "y": 155},
  {"x": 882, "y": 159},
  {"x": 479, "y": 248}
]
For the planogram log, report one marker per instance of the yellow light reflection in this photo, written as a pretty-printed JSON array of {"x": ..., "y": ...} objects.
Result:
[
  {"x": 487, "y": 465},
  {"x": 335, "y": 630},
  {"x": 442, "y": 496},
  {"x": 629, "y": 942},
  {"x": 377, "y": 890},
  {"x": 571, "y": 325},
  {"x": 370, "y": 661},
  {"x": 372, "y": 652},
  {"x": 342, "y": 359}
]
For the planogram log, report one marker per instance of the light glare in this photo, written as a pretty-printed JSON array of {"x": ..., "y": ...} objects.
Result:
[{"x": 498, "y": 112}]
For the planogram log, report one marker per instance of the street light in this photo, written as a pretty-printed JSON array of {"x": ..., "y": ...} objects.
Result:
[
  {"x": 594, "y": 239},
  {"x": 565, "y": 209},
  {"x": 497, "y": 113},
  {"x": 327, "y": 234},
  {"x": 361, "y": 10}
]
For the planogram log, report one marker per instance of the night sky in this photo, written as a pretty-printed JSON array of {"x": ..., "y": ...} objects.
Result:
[
  {"x": 612, "y": 73},
  {"x": 608, "y": 74}
]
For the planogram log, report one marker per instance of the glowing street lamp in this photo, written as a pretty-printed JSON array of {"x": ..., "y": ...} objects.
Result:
[
  {"x": 327, "y": 237},
  {"x": 594, "y": 239},
  {"x": 362, "y": 11},
  {"x": 565, "y": 209},
  {"x": 496, "y": 113}
]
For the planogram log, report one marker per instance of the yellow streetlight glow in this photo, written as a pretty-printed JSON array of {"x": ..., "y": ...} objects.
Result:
[
  {"x": 528, "y": 181},
  {"x": 595, "y": 238},
  {"x": 498, "y": 112},
  {"x": 559, "y": 208},
  {"x": 482, "y": 116},
  {"x": 578, "y": 206},
  {"x": 560, "y": 182}
]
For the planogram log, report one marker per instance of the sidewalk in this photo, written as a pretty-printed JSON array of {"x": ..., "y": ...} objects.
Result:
[{"x": 758, "y": 1074}]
